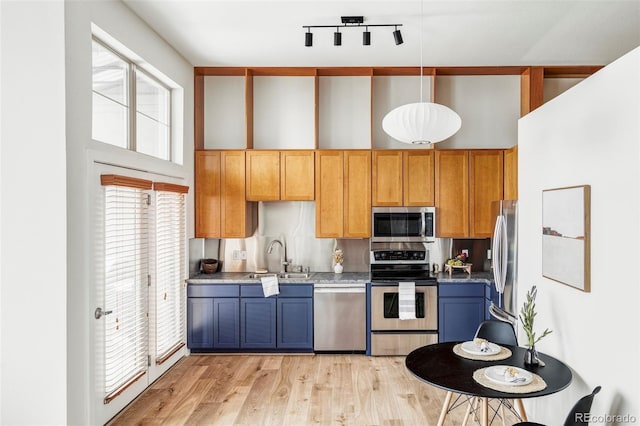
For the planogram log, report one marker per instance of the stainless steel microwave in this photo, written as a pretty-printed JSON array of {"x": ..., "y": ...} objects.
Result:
[{"x": 394, "y": 224}]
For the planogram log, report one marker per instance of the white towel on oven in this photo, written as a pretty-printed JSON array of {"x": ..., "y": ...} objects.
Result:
[
  {"x": 407, "y": 300},
  {"x": 270, "y": 285}
]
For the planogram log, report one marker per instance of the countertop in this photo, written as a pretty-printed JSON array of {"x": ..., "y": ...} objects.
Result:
[
  {"x": 463, "y": 277},
  {"x": 329, "y": 277},
  {"x": 314, "y": 277}
]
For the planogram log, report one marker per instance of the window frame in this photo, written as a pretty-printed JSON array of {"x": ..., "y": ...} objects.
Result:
[{"x": 132, "y": 98}]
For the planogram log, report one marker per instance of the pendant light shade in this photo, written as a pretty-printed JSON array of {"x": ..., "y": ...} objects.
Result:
[{"x": 421, "y": 123}]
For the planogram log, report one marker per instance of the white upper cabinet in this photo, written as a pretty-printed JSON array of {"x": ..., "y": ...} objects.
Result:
[{"x": 224, "y": 112}]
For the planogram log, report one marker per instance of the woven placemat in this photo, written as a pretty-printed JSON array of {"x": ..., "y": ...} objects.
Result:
[
  {"x": 537, "y": 384},
  {"x": 503, "y": 354}
]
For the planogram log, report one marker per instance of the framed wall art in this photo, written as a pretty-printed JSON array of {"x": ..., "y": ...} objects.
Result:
[{"x": 566, "y": 248}]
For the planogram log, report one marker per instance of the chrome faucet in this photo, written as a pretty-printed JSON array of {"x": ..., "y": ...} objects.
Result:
[{"x": 283, "y": 254}]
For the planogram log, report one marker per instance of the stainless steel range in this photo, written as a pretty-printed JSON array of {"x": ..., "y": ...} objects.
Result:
[{"x": 391, "y": 264}]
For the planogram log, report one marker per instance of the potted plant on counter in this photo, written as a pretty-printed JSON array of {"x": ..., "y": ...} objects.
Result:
[
  {"x": 338, "y": 258},
  {"x": 527, "y": 316}
]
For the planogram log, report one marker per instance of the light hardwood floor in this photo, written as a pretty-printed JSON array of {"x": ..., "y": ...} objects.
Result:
[{"x": 288, "y": 390}]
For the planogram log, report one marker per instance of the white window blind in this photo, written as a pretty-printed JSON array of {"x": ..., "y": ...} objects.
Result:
[
  {"x": 126, "y": 283},
  {"x": 170, "y": 270}
]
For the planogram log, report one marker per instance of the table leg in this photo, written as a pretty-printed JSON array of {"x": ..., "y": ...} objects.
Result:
[
  {"x": 523, "y": 413},
  {"x": 469, "y": 409},
  {"x": 485, "y": 411},
  {"x": 445, "y": 408}
]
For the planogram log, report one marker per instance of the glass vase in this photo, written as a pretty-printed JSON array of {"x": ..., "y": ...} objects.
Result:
[{"x": 531, "y": 357}]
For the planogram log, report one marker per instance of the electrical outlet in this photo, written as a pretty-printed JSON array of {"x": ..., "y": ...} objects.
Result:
[
  {"x": 243, "y": 255},
  {"x": 466, "y": 252},
  {"x": 236, "y": 255}
]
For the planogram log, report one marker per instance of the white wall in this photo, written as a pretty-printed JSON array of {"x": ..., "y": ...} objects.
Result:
[
  {"x": 33, "y": 216},
  {"x": 119, "y": 22},
  {"x": 588, "y": 135}
]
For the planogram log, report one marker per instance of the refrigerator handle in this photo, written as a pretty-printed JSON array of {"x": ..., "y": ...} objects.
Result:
[{"x": 499, "y": 251}]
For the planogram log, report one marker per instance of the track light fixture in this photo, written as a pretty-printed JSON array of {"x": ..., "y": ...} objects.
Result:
[
  {"x": 351, "y": 22},
  {"x": 366, "y": 37}
]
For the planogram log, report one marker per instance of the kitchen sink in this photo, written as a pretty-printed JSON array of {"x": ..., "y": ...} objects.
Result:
[{"x": 283, "y": 276}]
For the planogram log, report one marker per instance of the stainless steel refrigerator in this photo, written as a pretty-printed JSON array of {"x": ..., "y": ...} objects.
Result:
[{"x": 504, "y": 252}]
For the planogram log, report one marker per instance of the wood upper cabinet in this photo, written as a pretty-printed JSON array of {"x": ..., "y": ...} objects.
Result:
[
  {"x": 207, "y": 194},
  {"x": 403, "y": 178},
  {"x": 263, "y": 175},
  {"x": 343, "y": 194},
  {"x": 329, "y": 194},
  {"x": 452, "y": 193},
  {"x": 485, "y": 186},
  {"x": 357, "y": 194},
  {"x": 467, "y": 182},
  {"x": 387, "y": 178},
  {"x": 418, "y": 177},
  {"x": 511, "y": 173},
  {"x": 297, "y": 176},
  {"x": 280, "y": 175},
  {"x": 238, "y": 218}
]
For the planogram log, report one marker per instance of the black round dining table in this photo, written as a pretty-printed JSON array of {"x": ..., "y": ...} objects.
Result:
[{"x": 439, "y": 366}]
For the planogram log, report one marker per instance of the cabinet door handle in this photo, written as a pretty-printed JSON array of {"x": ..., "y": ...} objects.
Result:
[{"x": 99, "y": 313}]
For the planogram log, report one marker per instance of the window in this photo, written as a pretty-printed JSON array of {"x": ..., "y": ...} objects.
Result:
[{"x": 131, "y": 107}]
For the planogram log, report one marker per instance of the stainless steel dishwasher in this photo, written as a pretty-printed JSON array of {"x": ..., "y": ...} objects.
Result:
[{"x": 339, "y": 317}]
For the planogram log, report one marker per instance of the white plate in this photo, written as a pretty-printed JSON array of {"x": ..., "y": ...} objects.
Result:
[
  {"x": 496, "y": 374},
  {"x": 474, "y": 349}
]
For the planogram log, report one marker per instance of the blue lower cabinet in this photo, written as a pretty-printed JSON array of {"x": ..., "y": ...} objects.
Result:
[
  {"x": 461, "y": 309},
  {"x": 232, "y": 317},
  {"x": 200, "y": 323},
  {"x": 258, "y": 323},
  {"x": 226, "y": 323},
  {"x": 295, "y": 323}
]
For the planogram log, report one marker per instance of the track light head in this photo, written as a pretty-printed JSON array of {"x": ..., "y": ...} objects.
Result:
[
  {"x": 397, "y": 36},
  {"x": 366, "y": 38},
  {"x": 337, "y": 38},
  {"x": 308, "y": 39}
]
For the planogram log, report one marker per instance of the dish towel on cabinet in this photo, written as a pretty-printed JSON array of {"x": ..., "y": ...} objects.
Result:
[
  {"x": 270, "y": 285},
  {"x": 407, "y": 300}
]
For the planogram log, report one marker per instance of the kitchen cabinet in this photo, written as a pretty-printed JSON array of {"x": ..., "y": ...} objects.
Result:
[
  {"x": 452, "y": 193},
  {"x": 461, "y": 309},
  {"x": 213, "y": 317},
  {"x": 258, "y": 323},
  {"x": 263, "y": 175},
  {"x": 207, "y": 194},
  {"x": 386, "y": 185},
  {"x": 238, "y": 217},
  {"x": 221, "y": 208},
  {"x": 297, "y": 176},
  {"x": 343, "y": 194},
  {"x": 511, "y": 173},
  {"x": 467, "y": 182},
  {"x": 223, "y": 317},
  {"x": 402, "y": 178},
  {"x": 280, "y": 175},
  {"x": 485, "y": 186},
  {"x": 418, "y": 178}
]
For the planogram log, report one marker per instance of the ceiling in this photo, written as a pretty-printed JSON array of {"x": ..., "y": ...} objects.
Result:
[{"x": 456, "y": 33}]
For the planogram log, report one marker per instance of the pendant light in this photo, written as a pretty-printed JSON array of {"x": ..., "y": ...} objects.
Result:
[{"x": 421, "y": 123}]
